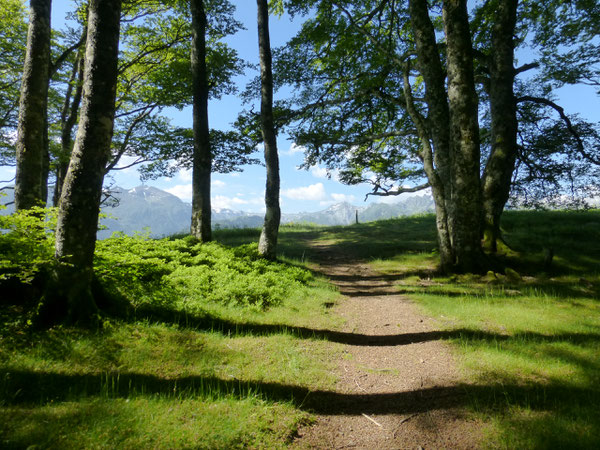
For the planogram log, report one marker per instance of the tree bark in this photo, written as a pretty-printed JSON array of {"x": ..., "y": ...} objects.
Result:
[
  {"x": 464, "y": 138},
  {"x": 435, "y": 181},
  {"x": 267, "y": 245},
  {"x": 498, "y": 172},
  {"x": 33, "y": 107},
  {"x": 202, "y": 159},
  {"x": 68, "y": 120},
  {"x": 80, "y": 198},
  {"x": 433, "y": 131}
]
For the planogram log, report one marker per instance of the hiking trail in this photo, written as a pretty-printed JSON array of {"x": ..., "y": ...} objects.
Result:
[{"x": 398, "y": 384}]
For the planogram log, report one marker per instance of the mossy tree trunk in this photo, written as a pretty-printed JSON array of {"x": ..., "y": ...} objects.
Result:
[
  {"x": 68, "y": 120},
  {"x": 267, "y": 245},
  {"x": 498, "y": 172},
  {"x": 433, "y": 130},
  {"x": 202, "y": 159},
  {"x": 464, "y": 138},
  {"x": 82, "y": 189},
  {"x": 33, "y": 105},
  {"x": 449, "y": 134}
]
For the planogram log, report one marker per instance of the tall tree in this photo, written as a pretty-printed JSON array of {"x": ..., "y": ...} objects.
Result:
[
  {"x": 68, "y": 120},
  {"x": 33, "y": 105},
  {"x": 202, "y": 159},
  {"x": 497, "y": 176},
  {"x": 433, "y": 130},
  {"x": 387, "y": 92},
  {"x": 267, "y": 245},
  {"x": 80, "y": 198},
  {"x": 464, "y": 138}
]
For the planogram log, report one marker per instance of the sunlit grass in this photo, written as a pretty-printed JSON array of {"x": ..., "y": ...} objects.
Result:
[
  {"x": 529, "y": 347},
  {"x": 208, "y": 347},
  {"x": 151, "y": 422},
  {"x": 206, "y": 356}
]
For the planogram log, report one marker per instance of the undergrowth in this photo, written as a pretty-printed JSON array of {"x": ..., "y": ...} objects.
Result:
[{"x": 209, "y": 346}]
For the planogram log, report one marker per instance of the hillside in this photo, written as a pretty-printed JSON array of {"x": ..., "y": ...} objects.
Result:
[
  {"x": 207, "y": 345},
  {"x": 165, "y": 214}
]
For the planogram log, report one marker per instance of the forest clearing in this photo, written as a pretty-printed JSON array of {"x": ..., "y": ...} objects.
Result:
[
  {"x": 477, "y": 326},
  {"x": 357, "y": 342}
]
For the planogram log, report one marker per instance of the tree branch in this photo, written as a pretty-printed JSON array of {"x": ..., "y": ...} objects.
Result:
[
  {"x": 380, "y": 191},
  {"x": 374, "y": 41},
  {"x": 561, "y": 112},
  {"x": 64, "y": 55},
  {"x": 526, "y": 67},
  {"x": 125, "y": 143}
]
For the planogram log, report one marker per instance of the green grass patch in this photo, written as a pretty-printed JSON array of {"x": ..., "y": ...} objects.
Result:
[
  {"x": 528, "y": 344},
  {"x": 202, "y": 346},
  {"x": 150, "y": 422}
]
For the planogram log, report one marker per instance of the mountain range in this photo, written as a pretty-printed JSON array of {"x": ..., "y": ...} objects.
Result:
[{"x": 132, "y": 210}]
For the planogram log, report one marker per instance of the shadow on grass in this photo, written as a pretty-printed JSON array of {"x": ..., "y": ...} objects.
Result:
[
  {"x": 553, "y": 401},
  {"x": 560, "y": 291},
  {"x": 229, "y": 328},
  {"x": 39, "y": 387}
]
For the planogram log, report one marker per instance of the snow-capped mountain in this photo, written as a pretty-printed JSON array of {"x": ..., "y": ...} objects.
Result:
[
  {"x": 131, "y": 210},
  {"x": 144, "y": 206},
  {"x": 339, "y": 214}
]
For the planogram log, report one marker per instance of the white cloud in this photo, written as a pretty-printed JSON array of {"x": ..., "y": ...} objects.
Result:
[
  {"x": 223, "y": 202},
  {"x": 318, "y": 172},
  {"x": 7, "y": 173},
  {"x": 218, "y": 184},
  {"x": 326, "y": 203},
  {"x": 183, "y": 191},
  {"x": 343, "y": 198},
  {"x": 185, "y": 175},
  {"x": 312, "y": 192},
  {"x": 125, "y": 161},
  {"x": 294, "y": 148}
]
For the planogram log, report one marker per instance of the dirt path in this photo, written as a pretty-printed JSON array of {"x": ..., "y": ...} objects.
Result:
[{"x": 398, "y": 383}]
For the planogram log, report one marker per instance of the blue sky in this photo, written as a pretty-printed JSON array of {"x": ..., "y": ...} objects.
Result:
[{"x": 301, "y": 190}]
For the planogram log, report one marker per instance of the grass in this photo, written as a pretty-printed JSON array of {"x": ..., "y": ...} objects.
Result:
[
  {"x": 217, "y": 349},
  {"x": 210, "y": 347},
  {"x": 529, "y": 346}
]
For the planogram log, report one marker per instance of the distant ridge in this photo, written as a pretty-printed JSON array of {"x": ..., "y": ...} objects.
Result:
[{"x": 165, "y": 214}]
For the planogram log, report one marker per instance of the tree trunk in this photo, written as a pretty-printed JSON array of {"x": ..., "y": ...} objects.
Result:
[
  {"x": 464, "y": 139},
  {"x": 267, "y": 245},
  {"x": 33, "y": 105},
  {"x": 435, "y": 181},
  {"x": 68, "y": 120},
  {"x": 80, "y": 198},
  {"x": 434, "y": 130},
  {"x": 202, "y": 161},
  {"x": 497, "y": 176}
]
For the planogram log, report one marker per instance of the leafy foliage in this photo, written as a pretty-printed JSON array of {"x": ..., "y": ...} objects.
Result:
[
  {"x": 26, "y": 242},
  {"x": 186, "y": 275},
  {"x": 13, "y": 35}
]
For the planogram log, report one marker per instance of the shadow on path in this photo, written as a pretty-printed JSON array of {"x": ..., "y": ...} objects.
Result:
[
  {"x": 226, "y": 327},
  {"x": 27, "y": 387}
]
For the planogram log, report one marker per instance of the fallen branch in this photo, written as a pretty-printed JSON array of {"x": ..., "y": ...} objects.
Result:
[
  {"x": 359, "y": 386},
  {"x": 372, "y": 420},
  {"x": 406, "y": 419}
]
